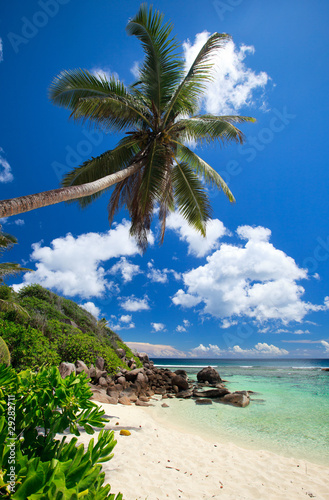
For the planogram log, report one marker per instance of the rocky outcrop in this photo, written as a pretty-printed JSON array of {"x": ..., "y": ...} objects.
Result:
[
  {"x": 138, "y": 385},
  {"x": 210, "y": 375},
  {"x": 239, "y": 398},
  {"x": 325, "y": 369},
  {"x": 65, "y": 369},
  {"x": 210, "y": 393},
  {"x": 81, "y": 367}
]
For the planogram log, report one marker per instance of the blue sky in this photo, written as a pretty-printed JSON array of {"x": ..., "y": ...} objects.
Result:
[{"x": 258, "y": 285}]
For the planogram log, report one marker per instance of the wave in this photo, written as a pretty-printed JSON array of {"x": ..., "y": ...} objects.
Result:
[{"x": 306, "y": 367}]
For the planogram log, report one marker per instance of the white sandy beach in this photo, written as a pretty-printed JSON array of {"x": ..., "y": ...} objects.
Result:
[{"x": 157, "y": 462}]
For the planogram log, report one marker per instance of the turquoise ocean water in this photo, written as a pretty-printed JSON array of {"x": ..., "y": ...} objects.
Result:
[{"x": 288, "y": 414}]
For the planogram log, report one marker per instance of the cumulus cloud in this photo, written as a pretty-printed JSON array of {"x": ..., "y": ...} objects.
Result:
[
  {"x": 133, "y": 304},
  {"x": 260, "y": 349},
  {"x": 126, "y": 269},
  {"x": 206, "y": 351},
  {"x": 124, "y": 322},
  {"x": 160, "y": 275},
  {"x": 226, "y": 323},
  {"x": 92, "y": 308},
  {"x": 156, "y": 275},
  {"x": 125, "y": 318},
  {"x": 72, "y": 266},
  {"x": 197, "y": 244},
  {"x": 158, "y": 327},
  {"x": 183, "y": 328},
  {"x": 5, "y": 169},
  {"x": 234, "y": 85},
  {"x": 300, "y": 332},
  {"x": 157, "y": 350},
  {"x": 255, "y": 280},
  {"x": 325, "y": 345},
  {"x": 184, "y": 299}
]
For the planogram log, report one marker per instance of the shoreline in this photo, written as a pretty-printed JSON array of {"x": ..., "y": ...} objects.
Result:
[{"x": 159, "y": 461}]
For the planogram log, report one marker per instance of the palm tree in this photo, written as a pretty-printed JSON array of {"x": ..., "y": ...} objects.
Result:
[
  {"x": 7, "y": 298},
  {"x": 152, "y": 166},
  {"x": 8, "y": 268}
]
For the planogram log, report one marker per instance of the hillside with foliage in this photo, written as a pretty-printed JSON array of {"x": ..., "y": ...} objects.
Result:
[{"x": 40, "y": 327}]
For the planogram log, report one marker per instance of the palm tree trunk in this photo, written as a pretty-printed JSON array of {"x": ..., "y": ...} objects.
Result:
[{"x": 22, "y": 204}]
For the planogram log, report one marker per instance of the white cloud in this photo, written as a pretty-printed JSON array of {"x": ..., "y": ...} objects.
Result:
[
  {"x": 300, "y": 332},
  {"x": 181, "y": 328},
  {"x": 135, "y": 69},
  {"x": 256, "y": 280},
  {"x": 157, "y": 350},
  {"x": 72, "y": 265},
  {"x": 197, "y": 244},
  {"x": 158, "y": 327},
  {"x": 325, "y": 345},
  {"x": 160, "y": 275},
  {"x": 92, "y": 308},
  {"x": 1, "y": 50},
  {"x": 234, "y": 84},
  {"x": 104, "y": 72},
  {"x": 133, "y": 304},
  {"x": 260, "y": 349},
  {"x": 156, "y": 275},
  {"x": 210, "y": 351},
  {"x": 184, "y": 299},
  {"x": 226, "y": 323},
  {"x": 5, "y": 169},
  {"x": 117, "y": 327},
  {"x": 122, "y": 323},
  {"x": 19, "y": 222},
  {"x": 3, "y": 220},
  {"x": 126, "y": 268},
  {"x": 125, "y": 318}
]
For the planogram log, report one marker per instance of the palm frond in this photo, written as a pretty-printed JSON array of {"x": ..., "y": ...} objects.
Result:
[
  {"x": 106, "y": 103},
  {"x": 207, "y": 128},
  {"x": 105, "y": 164},
  {"x": 70, "y": 86},
  {"x": 185, "y": 98},
  {"x": 190, "y": 196},
  {"x": 11, "y": 269},
  {"x": 112, "y": 113},
  {"x": 148, "y": 191},
  {"x": 161, "y": 70},
  {"x": 203, "y": 169},
  {"x": 6, "y": 240}
]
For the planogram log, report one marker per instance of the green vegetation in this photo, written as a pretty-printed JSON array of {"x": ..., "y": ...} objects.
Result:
[
  {"x": 45, "y": 328},
  {"x": 4, "y": 353},
  {"x": 35, "y": 408}
]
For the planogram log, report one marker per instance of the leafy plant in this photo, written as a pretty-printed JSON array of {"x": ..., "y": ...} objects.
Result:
[{"x": 44, "y": 406}]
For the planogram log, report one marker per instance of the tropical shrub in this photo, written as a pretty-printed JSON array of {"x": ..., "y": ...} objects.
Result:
[
  {"x": 28, "y": 346},
  {"x": 34, "y": 463}
]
